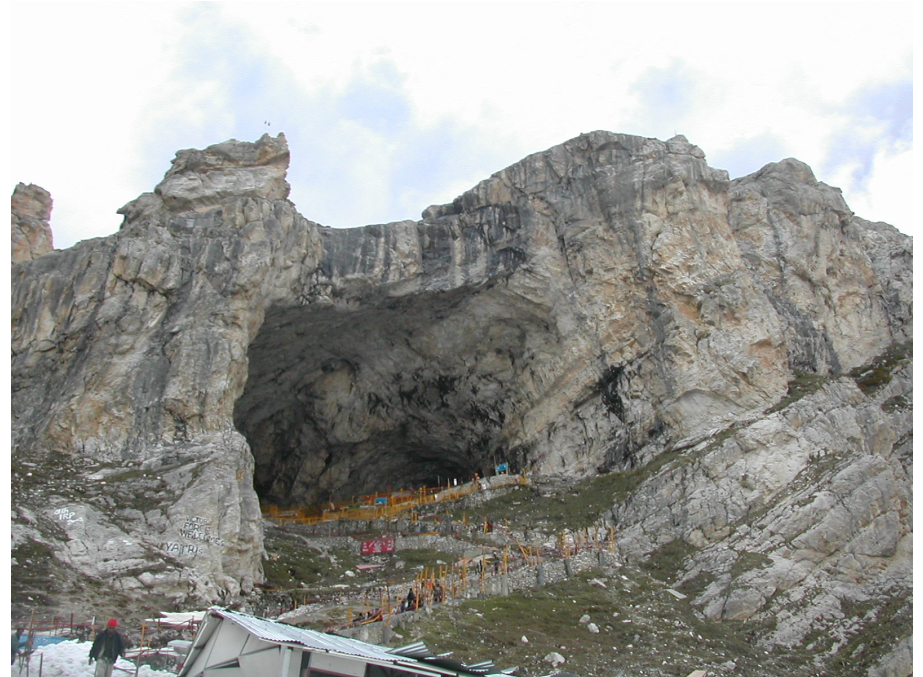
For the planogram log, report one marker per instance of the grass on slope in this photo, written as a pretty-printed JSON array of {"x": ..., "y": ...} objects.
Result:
[
  {"x": 643, "y": 630},
  {"x": 571, "y": 506}
]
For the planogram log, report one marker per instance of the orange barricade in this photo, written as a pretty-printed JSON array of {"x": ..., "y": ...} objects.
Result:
[{"x": 379, "y": 505}]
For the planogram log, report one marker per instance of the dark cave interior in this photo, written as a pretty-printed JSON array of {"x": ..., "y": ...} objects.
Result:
[{"x": 396, "y": 393}]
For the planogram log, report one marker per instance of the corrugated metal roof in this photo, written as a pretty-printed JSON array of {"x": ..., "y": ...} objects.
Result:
[
  {"x": 483, "y": 666},
  {"x": 415, "y": 650},
  {"x": 271, "y": 631},
  {"x": 414, "y": 656},
  {"x": 447, "y": 663}
]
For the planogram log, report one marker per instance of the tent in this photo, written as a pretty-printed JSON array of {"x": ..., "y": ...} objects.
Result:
[{"x": 234, "y": 644}]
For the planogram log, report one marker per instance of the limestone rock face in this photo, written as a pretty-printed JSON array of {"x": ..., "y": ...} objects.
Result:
[
  {"x": 111, "y": 374},
  {"x": 815, "y": 265},
  {"x": 200, "y": 179},
  {"x": 797, "y": 516},
  {"x": 612, "y": 304},
  {"x": 30, "y": 217}
]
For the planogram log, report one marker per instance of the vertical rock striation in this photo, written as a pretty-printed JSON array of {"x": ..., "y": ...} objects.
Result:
[
  {"x": 602, "y": 304},
  {"x": 129, "y": 353},
  {"x": 30, "y": 222}
]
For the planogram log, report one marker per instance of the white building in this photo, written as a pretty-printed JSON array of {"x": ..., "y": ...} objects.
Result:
[{"x": 232, "y": 644}]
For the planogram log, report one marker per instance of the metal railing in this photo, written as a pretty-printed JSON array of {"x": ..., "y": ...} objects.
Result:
[{"x": 384, "y": 506}]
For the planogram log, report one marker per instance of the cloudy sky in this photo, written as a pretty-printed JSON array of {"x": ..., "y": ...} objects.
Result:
[{"x": 390, "y": 107}]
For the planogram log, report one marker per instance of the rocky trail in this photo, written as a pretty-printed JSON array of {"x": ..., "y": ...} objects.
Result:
[
  {"x": 590, "y": 613},
  {"x": 457, "y": 545}
]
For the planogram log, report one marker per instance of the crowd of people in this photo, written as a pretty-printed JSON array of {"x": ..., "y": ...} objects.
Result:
[{"x": 411, "y": 602}]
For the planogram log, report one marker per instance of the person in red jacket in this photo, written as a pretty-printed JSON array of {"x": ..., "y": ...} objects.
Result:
[{"x": 106, "y": 649}]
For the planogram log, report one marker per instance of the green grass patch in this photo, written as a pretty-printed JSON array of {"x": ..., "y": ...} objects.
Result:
[
  {"x": 579, "y": 505},
  {"x": 879, "y": 372},
  {"x": 291, "y": 561},
  {"x": 749, "y": 561},
  {"x": 884, "y": 624},
  {"x": 897, "y": 403},
  {"x": 427, "y": 558},
  {"x": 293, "y": 564},
  {"x": 34, "y": 580},
  {"x": 666, "y": 563},
  {"x": 696, "y": 585},
  {"x": 642, "y": 631},
  {"x": 803, "y": 384},
  {"x": 575, "y": 506}
]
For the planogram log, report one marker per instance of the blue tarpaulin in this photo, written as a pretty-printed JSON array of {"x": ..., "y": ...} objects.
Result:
[{"x": 42, "y": 640}]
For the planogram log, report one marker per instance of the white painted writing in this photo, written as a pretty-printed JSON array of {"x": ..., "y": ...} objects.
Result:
[
  {"x": 183, "y": 548},
  {"x": 67, "y": 515},
  {"x": 197, "y": 529}
]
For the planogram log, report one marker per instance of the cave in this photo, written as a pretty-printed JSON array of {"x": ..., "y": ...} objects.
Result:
[{"x": 395, "y": 393}]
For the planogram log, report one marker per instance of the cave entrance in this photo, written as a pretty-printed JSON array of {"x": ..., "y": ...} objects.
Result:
[{"x": 397, "y": 394}]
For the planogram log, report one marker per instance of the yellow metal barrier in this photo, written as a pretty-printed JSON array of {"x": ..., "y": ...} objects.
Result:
[{"x": 368, "y": 507}]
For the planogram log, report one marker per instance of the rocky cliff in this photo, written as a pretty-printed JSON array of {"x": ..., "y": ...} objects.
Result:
[
  {"x": 30, "y": 222},
  {"x": 613, "y": 304}
]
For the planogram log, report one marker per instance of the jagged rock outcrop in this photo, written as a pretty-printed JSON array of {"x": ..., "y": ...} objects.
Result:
[
  {"x": 609, "y": 304},
  {"x": 798, "y": 520},
  {"x": 201, "y": 179},
  {"x": 30, "y": 222}
]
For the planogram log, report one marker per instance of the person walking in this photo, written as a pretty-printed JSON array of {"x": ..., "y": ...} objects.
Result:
[
  {"x": 411, "y": 600},
  {"x": 107, "y": 648},
  {"x": 17, "y": 643}
]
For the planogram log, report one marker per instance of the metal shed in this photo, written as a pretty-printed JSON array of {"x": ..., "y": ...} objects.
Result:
[{"x": 234, "y": 644}]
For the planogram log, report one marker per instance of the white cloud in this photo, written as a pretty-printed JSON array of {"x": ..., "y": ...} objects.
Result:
[
  {"x": 82, "y": 73},
  {"x": 388, "y": 103},
  {"x": 883, "y": 196}
]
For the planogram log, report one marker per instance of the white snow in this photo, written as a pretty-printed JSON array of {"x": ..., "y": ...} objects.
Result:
[
  {"x": 71, "y": 659},
  {"x": 177, "y": 619}
]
